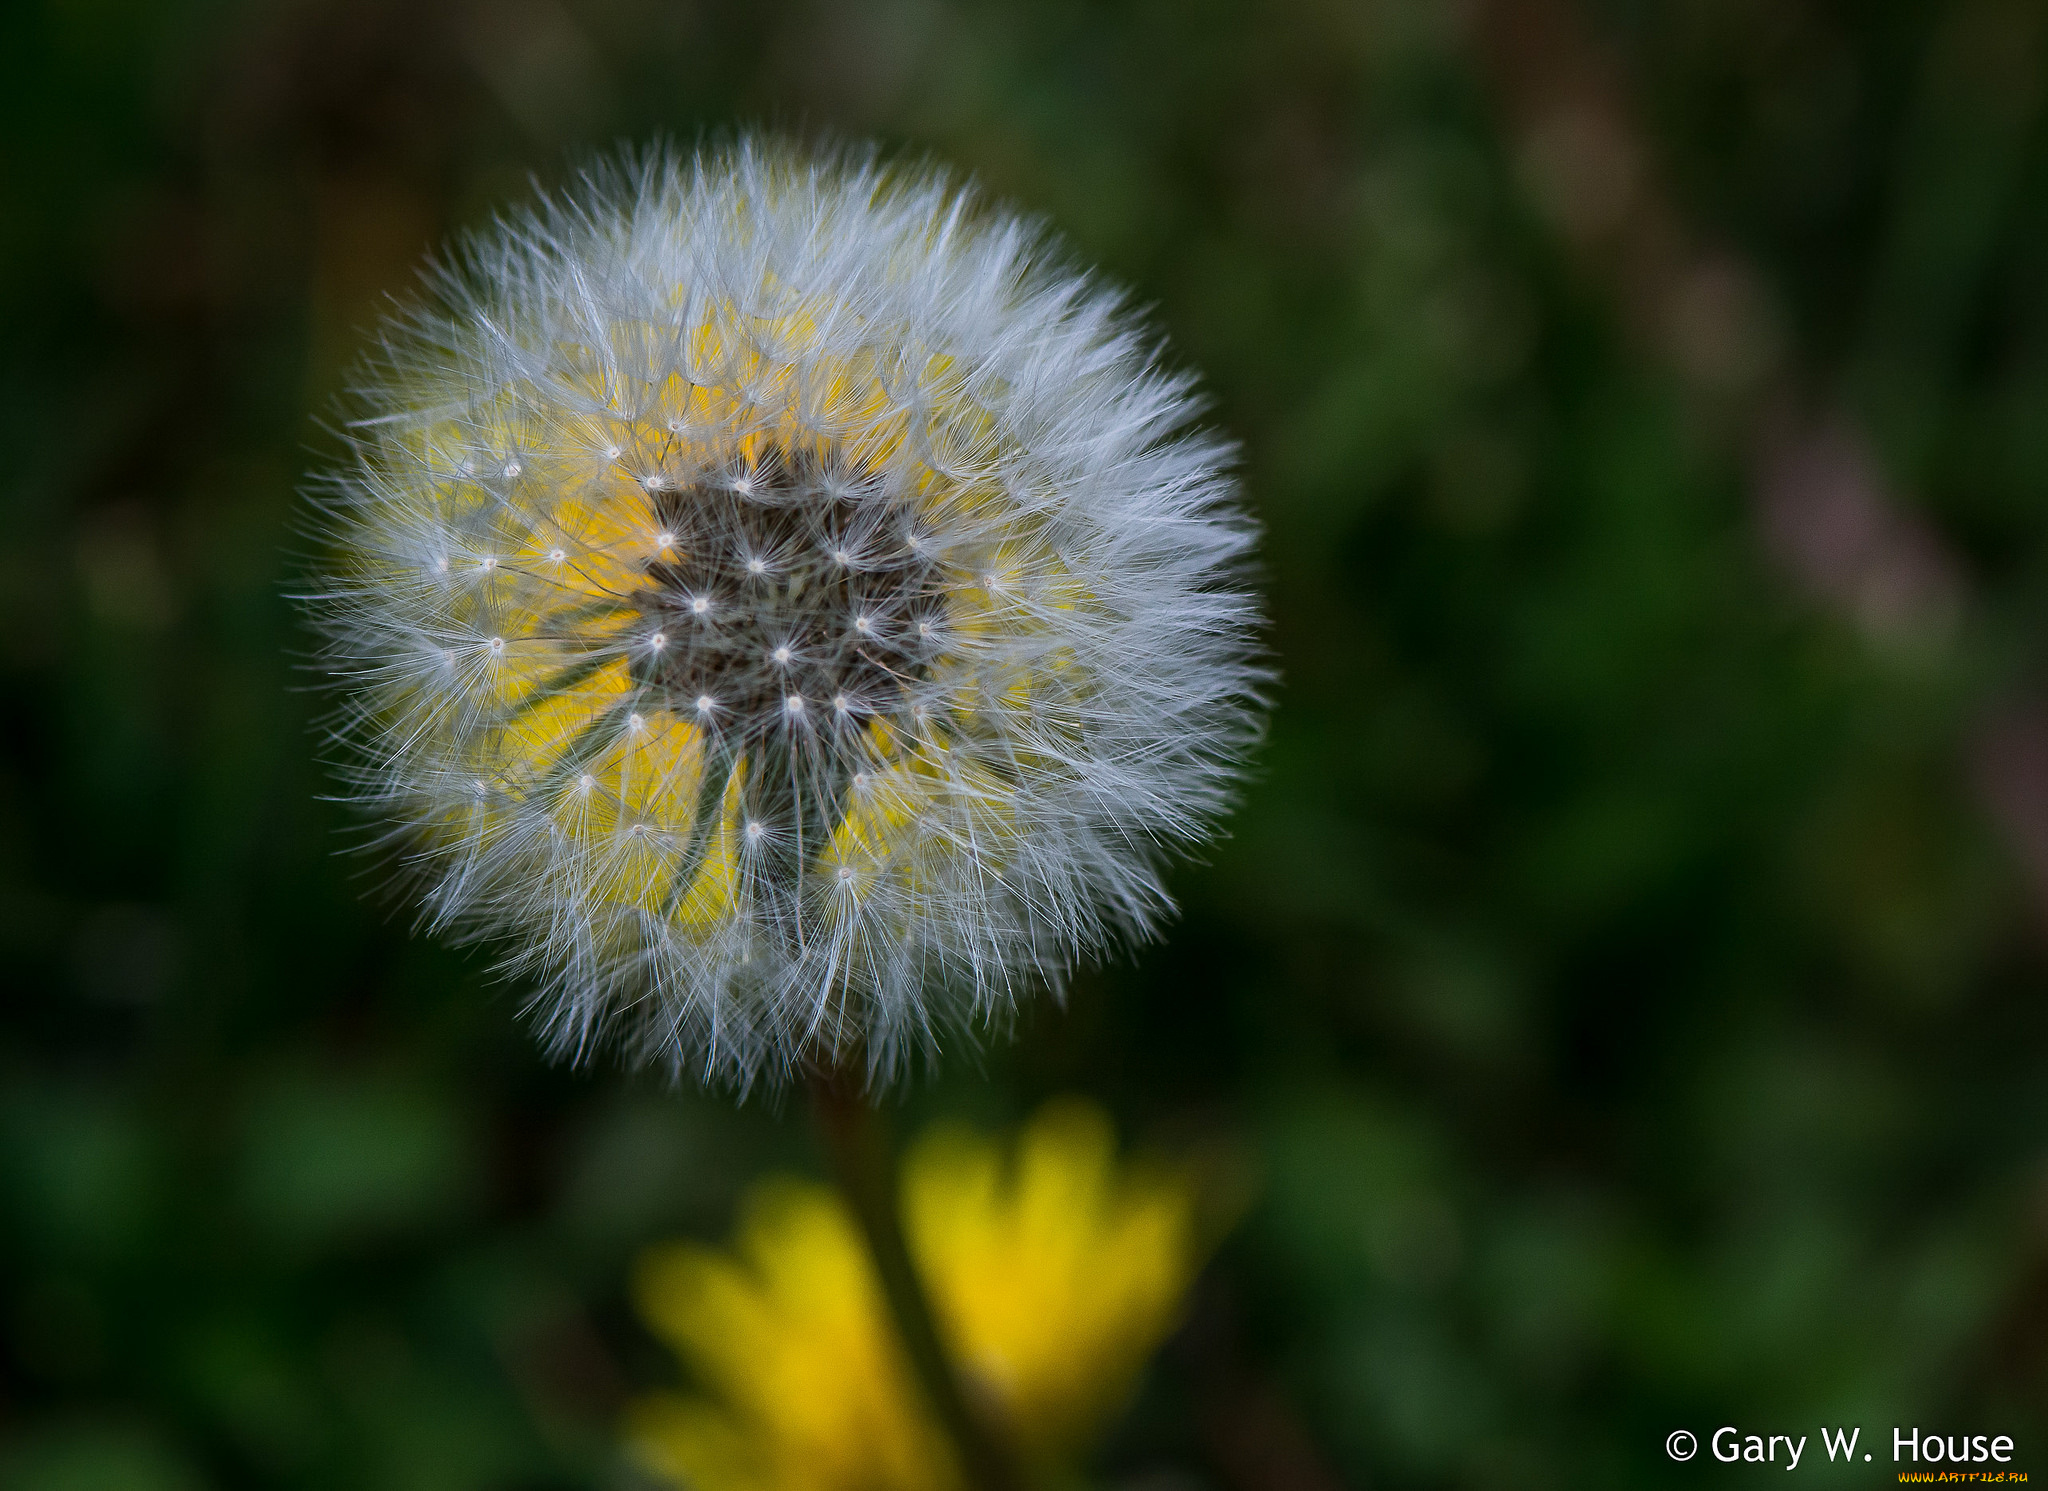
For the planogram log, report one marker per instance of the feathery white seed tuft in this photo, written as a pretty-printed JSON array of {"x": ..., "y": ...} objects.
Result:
[{"x": 938, "y": 650}]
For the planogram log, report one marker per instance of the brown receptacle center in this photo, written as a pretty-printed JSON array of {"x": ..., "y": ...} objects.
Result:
[{"x": 792, "y": 602}]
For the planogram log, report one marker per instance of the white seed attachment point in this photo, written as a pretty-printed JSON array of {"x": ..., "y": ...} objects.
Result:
[{"x": 658, "y": 641}]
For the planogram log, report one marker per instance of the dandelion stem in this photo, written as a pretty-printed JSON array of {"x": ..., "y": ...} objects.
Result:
[{"x": 864, "y": 1163}]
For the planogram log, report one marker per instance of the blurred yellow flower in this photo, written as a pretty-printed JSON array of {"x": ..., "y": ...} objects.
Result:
[{"x": 1053, "y": 1270}]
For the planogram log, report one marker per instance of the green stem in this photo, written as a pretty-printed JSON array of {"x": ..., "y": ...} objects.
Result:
[{"x": 865, "y": 1166}]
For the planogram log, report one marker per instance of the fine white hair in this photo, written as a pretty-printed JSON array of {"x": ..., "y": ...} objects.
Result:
[{"x": 785, "y": 605}]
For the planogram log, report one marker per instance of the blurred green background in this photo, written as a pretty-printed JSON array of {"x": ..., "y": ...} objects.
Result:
[{"x": 1626, "y": 971}]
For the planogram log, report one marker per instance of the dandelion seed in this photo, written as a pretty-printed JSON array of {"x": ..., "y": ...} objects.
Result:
[{"x": 838, "y": 356}]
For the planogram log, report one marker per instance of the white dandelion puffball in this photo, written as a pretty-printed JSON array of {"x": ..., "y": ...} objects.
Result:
[{"x": 784, "y": 605}]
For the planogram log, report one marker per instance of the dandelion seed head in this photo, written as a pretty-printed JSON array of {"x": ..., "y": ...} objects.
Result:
[{"x": 850, "y": 391}]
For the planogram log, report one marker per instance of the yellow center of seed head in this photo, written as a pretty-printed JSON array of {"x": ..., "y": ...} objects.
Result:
[{"x": 788, "y": 623}]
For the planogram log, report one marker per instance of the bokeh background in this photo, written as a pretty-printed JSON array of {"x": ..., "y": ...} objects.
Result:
[{"x": 1625, "y": 976}]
